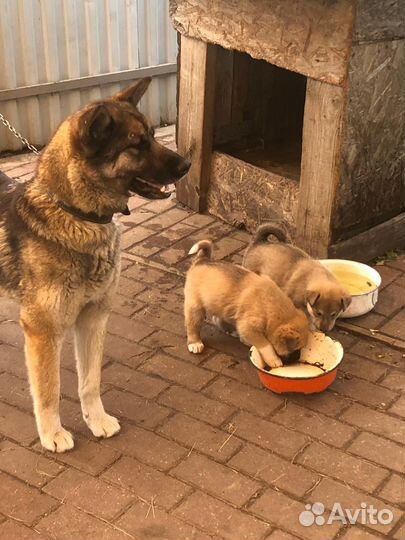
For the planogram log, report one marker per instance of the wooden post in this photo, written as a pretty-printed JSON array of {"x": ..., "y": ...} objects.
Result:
[
  {"x": 320, "y": 165},
  {"x": 196, "y": 119}
]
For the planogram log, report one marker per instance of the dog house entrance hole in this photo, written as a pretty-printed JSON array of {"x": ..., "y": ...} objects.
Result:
[{"x": 259, "y": 112}]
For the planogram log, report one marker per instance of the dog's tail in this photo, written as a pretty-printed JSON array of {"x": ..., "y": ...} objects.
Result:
[
  {"x": 269, "y": 229},
  {"x": 202, "y": 251}
]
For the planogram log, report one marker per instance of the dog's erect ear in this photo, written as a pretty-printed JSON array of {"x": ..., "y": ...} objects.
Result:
[
  {"x": 134, "y": 93},
  {"x": 346, "y": 301},
  {"x": 311, "y": 297},
  {"x": 96, "y": 126}
]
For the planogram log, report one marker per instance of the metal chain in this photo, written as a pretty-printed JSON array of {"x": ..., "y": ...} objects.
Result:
[{"x": 18, "y": 135}]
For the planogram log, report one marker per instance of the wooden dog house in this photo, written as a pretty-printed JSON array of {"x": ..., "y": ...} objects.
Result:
[{"x": 294, "y": 111}]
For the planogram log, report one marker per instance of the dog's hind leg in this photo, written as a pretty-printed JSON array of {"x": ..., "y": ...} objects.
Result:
[
  {"x": 194, "y": 316},
  {"x": 42, "y": 353},
  {"x": 89, "y": 334}
]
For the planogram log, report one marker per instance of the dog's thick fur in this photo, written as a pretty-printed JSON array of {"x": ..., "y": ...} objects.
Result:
[
  {"x": 61, "y": 265},
  {"x": 263, "y": 315},
  {"x": 306, "y": 281}
]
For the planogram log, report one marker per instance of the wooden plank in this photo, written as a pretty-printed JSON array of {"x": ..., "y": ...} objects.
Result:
[
  {"x": 378, "y": 336},
  {"x": 378, "y": 20},
  {"x": 372, "y": 243},
  {"x": 321, "y": 149},
  {"x": 196, "y": 118},
  {"x": 242, "y": 194},
  {"x": 311, "y": 37},
  {"x": 371, "y": 188}
]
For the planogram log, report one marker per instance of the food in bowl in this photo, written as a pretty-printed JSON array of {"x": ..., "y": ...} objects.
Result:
[
  {"x": 314, "y": 372},
  {"x": 361, "y": 280}
]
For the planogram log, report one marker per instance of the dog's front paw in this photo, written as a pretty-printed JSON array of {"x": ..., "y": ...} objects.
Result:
[
  {"x": 59, "y": 441},
  {"x": 103, "y": 425},
  {"x": 196, "y": 348}
]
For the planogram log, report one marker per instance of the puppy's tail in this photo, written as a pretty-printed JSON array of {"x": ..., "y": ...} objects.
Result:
[
  {"x": 269, "y": 229},
  {"x": 202, "y": 251}
]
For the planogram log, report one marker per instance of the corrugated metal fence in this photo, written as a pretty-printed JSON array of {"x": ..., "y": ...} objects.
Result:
[{"x": 57, "y": 55}]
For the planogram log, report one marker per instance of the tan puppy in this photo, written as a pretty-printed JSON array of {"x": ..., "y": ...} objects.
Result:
[
  {"x": 262, "y": 314},
  {"x": 306, "y": 281}
]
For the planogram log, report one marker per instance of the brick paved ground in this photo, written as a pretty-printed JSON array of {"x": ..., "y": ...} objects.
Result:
[{"x": 204, "y": 451}]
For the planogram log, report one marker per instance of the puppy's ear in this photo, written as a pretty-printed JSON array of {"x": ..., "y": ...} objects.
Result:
[
  {"x": 95, "y": 129},
  {"x": 346, "y": 301},
  {"x": 134, "y": 93},
  {"x": 312, "y": 297}
]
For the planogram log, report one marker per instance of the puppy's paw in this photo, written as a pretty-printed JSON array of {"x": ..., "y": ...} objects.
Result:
[
  {"x": 196, "y": 348},
  {"x": 103, "y": 425},
  {"x": 59, "y": 441},
  {"x": 274, "y": 362}
]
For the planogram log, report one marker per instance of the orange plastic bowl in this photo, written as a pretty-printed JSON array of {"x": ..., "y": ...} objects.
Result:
[{"x": 305, "y": 380}]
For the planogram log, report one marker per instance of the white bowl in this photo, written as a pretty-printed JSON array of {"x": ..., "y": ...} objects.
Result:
[{"x": 361, "y": 303}]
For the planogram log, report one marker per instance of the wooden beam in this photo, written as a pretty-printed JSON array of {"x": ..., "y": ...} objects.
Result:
[
  {"x": 196, "y": 119},
  {"x": 372, "y": 243},
  {"x": 320, "y": 164}
]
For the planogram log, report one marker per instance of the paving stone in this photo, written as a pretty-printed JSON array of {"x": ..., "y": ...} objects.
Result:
[
  {"x": 202, "y": 408},
  {"x": 15, "y": 391},
  {"x": 147, "y": 447},
  {"x": 357, "y": 533},
  {"x": 378, "y": 352},
  {"x": 125, "y": 351},
  {"x": 97, "y": 497},
  {"x": 266, "y": 466},
  {"x": 26, "y": 465},
  {"x": 143, "y": 522},
  {"x": 9, "y": 310},
  {"x": 400, "y": 533},
  {"x": 326, "y": 403},
  {"x": 365, "y": 392},
  {"x": 216, "y": 479},
  {"x": 22, "y": 502},
  {"x": 12, "y": 530},
  {"x": 240, "y": 370},
  {"x": 394, "y": 490},
  {"x": 281, "y": 535},
  {"x": 390, "y": 300},
  {"x": 362, "y": 368},
  {"x": 398, "y": 407},
  {"x": 172, "y": 345},
  {"x": 88, "y": 456},
  {"x": 133, "y": 380},
  {"x": 146, "y": 482},
  {"x": 156, "y": 299},
  {"x": 315, "y": 425},
  {"x": 201, "y": 437},
  {"x": 395, "y": 380},
  {"x": 345, "y": 467},
  {"x": 388, "y": 275},
  {"x": 330, "y": 492},
  {"x": 134, "y": 235},
  {"x": 386, "y": 453},
  {"x": 163, "y": 320},
  {"x": 68, "y": 523},
  {"x": 377, "y": 422},
  {"x": 395, "y": 327},
  {"x": 177, "y": 371},
  {"x": 283, "y": 511},
  {"x": 220, "y": 519},
  {"x": 17, "y": 425},
  {"x": 131, "y": 329},
  {"x": 11, "y": 333},
  {"x": 12, "y": 361},
  {"x": 260, "y": 402},
  {"x": 140, "y": 410},
  {"x": 198, "y": 220},
  {"x": 268, "y": 435}
]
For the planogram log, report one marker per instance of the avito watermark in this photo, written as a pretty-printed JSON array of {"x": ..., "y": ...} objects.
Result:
[{"x": 367, "y": 514}]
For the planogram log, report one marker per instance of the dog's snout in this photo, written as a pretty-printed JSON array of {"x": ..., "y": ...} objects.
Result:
[{"x": 183, "y": 166}]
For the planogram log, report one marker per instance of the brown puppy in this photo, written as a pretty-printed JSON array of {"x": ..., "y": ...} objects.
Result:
[
  {"x": 306, "y": 281},
  {"x": 262, "y": 314}
]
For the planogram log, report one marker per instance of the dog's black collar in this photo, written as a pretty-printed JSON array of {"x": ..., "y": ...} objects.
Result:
[{"x": 90, "y": 216}]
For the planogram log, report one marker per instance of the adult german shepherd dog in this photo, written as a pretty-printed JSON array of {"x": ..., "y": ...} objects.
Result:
[{"x": 60, "y": 246}]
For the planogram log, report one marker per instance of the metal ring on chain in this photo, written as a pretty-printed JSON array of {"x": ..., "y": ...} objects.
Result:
[{"x": 18, "y": 135}]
